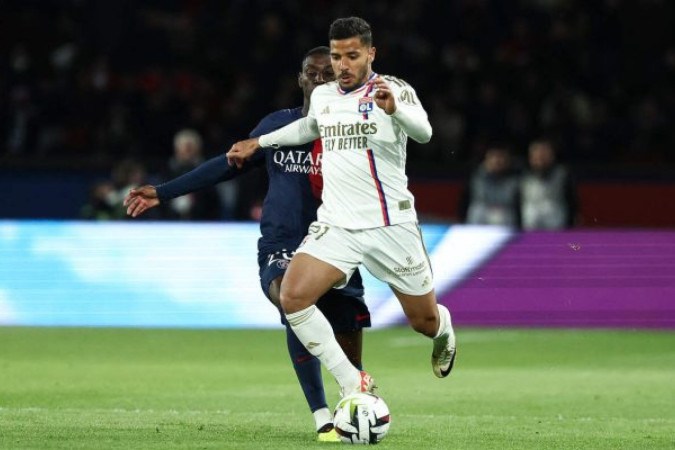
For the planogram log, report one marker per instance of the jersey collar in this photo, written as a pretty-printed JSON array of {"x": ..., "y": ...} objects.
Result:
[{"x": 360, "y": 88}]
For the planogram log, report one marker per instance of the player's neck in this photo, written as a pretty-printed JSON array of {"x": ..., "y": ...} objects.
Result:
[{"x": 305, "y": 108}]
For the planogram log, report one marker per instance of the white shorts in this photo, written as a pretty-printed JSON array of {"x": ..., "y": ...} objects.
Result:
[{"x": 393, "y": 254}]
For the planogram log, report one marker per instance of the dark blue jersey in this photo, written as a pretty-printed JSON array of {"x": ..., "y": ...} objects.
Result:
[{"x": 289, "y": 206}]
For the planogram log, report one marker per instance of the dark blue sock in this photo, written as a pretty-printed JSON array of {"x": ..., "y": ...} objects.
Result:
[{"x": 308, "y": 369}]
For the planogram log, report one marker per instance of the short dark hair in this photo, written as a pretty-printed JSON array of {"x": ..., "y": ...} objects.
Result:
[
  {"x": 348, "y": 27},
  {"x": 320, "y": 50}
]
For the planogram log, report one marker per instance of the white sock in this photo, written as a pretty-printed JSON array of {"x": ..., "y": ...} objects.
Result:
[
  {"x": 314, "y": 331},
  {"x": 322, "y": 417},
  {"x": 445, "y": 323}
]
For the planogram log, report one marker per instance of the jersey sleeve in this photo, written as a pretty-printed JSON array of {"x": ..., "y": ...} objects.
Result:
[
  {"x": 267, "y": 124},
  {"x": 311, "y": 113},
  {"x": 409, "y": 114},
  {"x": 209, "y": 173},
  {"x": 300, "y": 132}
]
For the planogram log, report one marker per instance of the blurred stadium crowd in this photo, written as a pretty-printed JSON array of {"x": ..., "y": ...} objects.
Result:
[
  {"x": 121, "y": 77},
  {"x": 94, "y": 82}
]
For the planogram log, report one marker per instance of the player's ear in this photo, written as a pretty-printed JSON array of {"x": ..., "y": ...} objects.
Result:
[{"x": 300, "y": 79}]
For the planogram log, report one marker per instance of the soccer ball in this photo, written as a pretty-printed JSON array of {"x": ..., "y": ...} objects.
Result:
[{"x": 361, "y": 418}]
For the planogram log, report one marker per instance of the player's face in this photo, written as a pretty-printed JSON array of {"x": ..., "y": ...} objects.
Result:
[
  {"x": 351, "y": 61},
  {"x": 316, "y": 70}
]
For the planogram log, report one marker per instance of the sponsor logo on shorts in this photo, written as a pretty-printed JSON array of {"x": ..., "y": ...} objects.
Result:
[{"x": 411, "y": 270}]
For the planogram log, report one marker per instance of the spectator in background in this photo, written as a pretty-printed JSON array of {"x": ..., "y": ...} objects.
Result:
[
  {"x": 204, "y": 204},
  {"x": 126, "y": 174},
  {"x": 492, "y": 195},
  {"x": 547, "y": 191},
  {"x": 106, "y": 196},
  {"x": 101, "y": 204}
]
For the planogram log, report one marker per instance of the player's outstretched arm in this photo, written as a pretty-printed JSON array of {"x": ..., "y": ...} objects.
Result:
[
  {"x": 206, "y": 174},
  {"x": 242, "y": 151},
  {"x": 140, "y": 199},
  {"x": 299, "y": 132}
]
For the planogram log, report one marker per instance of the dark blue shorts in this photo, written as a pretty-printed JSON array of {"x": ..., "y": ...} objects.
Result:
[{"x": 345, "y": 313}]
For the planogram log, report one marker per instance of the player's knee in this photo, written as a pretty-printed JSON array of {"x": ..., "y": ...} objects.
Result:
[
  {"x": 426, "y": 324},
  {"x": 292, "y": 300},
  {"x": 285, "y": 302}
]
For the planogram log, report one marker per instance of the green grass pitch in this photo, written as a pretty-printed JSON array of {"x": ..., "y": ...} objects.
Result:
[{"x": 164, "y": 389}]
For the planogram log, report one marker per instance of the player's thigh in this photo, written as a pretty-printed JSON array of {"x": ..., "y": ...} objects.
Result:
[
  {"x": 334, "y": 246},
  {"x": 307, "y": 278},
  {"x": 272, "y": 269},
  {"x": 397, "y": 256},
  {"x": 274, "y": 291}
]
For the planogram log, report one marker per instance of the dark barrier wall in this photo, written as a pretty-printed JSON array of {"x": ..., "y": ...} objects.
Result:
[
  {"x": 59, "y": 195},
  {"x": 38, "y": 194},
  {"x": 602, "y": 204}
]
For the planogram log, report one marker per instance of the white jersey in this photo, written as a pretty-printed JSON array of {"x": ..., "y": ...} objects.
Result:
[{"x": 364, "y": 153}]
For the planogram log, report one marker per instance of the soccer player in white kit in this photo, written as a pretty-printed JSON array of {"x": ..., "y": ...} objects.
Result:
[{"x": 368, "y": 215}]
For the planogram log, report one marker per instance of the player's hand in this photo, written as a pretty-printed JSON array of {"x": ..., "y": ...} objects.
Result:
[
  {"x": 384, "y": 98},
  {"x": 140, "y": 199},
  {"x": 242, "y": 151}
]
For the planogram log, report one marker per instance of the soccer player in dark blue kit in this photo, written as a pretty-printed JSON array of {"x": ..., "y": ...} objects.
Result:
[{"x": 289, "y": 208}]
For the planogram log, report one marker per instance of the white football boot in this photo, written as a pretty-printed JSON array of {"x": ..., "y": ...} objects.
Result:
[{"x": 443, "y": 355}]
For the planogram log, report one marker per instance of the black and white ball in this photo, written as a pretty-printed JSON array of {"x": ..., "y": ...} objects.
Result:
[{"x": 362, "y": 418}]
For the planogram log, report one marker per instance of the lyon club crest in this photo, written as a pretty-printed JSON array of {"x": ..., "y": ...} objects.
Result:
[{"x": 365, "y": 104}]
